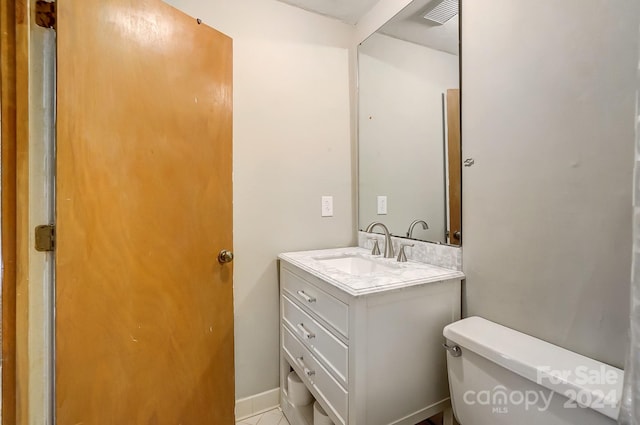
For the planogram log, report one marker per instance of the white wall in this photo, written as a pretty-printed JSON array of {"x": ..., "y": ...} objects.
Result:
[
  {"x": 401, "y": 152},
  {"x": 548, "y": 116},
  {"x": 292, "y": 144}
]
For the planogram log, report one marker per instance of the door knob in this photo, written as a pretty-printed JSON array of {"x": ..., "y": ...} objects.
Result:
[{"x": 225, "y": 256}]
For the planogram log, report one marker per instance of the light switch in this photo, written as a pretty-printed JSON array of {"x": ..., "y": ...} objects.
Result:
[
  {"x": 327, "y": 206},
  {"x": 382, "y": 205}
]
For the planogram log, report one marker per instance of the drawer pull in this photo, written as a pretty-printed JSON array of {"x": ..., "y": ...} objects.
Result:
[
  {"x": 305, "y": 332},
  {"x": 306, "y": 297},
  {"x": 306, "y": 370}
]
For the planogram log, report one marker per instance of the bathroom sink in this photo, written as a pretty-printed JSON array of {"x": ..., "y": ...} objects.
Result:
[{"x": 356, "y": 264}]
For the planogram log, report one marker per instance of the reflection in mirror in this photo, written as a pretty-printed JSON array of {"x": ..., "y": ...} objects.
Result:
[{"x": 409, "y": 123}]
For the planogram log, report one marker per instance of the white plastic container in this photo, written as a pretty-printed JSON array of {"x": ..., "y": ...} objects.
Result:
[{"x": 298, "y": 393}]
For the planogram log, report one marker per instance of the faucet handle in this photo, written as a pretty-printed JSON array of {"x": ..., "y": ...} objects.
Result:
[
  {"x": 402, "y": 258},
  {"x": 376, "y": 248}
]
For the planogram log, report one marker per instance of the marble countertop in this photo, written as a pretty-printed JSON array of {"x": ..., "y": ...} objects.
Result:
[{"x": 394, "y": 276}]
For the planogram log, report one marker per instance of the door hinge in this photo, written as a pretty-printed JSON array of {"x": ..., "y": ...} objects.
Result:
[
  {"x": 46, "y": 14},
  {"x": 45, "y": 237}
]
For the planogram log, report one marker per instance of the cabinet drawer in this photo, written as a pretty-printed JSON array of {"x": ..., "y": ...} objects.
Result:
[
  {"x": 316, "y": 376},
  {"x": 334, "y": 311},
  {"x": 317, "y": 339}
]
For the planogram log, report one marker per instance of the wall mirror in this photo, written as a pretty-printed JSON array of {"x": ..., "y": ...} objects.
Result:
[{"x": 409, "y": 123}]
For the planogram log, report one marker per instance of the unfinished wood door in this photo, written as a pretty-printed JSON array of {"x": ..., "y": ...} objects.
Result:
[
  {"x": 144, "y": 314},
  {"x": 455, "y": 166}
]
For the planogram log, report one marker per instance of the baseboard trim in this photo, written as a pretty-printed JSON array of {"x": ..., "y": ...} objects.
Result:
[
  {"x": 256, "y": 404},
  {"x": 427, "y": 412}
]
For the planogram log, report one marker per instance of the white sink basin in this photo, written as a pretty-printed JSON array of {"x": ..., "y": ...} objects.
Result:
[{"x": 355, "y": 264}]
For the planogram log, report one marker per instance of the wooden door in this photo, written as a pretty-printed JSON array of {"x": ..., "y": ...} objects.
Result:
[
  {"x": 455, "y": 166},
  {"x": 144, "y": 314}
]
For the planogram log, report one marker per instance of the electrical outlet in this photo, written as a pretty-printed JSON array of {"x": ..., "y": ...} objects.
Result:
[
  {"x": 382, "y": 205},
  {"x": 327, "y": 206}
]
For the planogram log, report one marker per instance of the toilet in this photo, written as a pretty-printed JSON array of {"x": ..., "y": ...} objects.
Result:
[{"x": 501, "y": 376}]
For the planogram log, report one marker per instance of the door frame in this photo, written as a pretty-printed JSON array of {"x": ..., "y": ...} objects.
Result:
[
  {"x": 13, "y": 127},
  {"x": 27, "y": 97}
]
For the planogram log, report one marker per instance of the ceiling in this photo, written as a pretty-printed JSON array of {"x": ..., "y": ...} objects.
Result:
[
  {"x": 348, "y": 11},
  {"x": 408, "y": 25}
]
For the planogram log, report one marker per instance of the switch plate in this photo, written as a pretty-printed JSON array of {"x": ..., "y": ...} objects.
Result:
[
  {"x": 327, "y": 206},
  {"x": 382, "y": 205}
]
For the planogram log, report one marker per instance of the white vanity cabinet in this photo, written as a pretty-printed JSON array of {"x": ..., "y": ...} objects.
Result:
[{"x": 368, "y": 358}]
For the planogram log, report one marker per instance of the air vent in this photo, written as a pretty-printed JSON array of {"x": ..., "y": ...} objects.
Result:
[{"x": 441, "y": 11}]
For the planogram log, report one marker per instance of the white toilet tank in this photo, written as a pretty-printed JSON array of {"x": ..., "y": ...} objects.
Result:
[{"x": 501, "y": 376}]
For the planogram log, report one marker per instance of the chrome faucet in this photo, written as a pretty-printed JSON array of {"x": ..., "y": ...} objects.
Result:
[
  {"x": 402, "y": 257},
  {"x": 388, "y": 246},
  {"x": 425, "y": 226}
]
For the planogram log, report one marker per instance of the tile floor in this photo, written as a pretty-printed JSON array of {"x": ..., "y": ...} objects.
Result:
[
  {"x": 272, "y": 417},
  {"x": 275, "y": 417}
]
